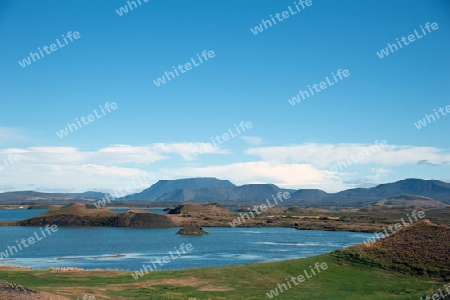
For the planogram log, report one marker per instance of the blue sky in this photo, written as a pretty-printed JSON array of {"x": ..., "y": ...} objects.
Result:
[{"x": 251, "y": 77}]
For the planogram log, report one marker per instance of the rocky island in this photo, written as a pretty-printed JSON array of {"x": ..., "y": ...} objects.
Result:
[{"x": 192, "y": 229}]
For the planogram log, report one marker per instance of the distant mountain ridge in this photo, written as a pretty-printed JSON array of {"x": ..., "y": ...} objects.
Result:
[
  {"x": 90, "y": 194},
  {"x": 434, "y": 189},
  {"x": 31, "y": 197},
  {"x": 223, "y": 191}
]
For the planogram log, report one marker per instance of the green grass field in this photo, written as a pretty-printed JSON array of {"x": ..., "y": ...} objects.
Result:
[{"x": 342, "y": 280}]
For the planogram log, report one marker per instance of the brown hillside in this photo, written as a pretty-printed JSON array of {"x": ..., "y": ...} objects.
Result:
[
  {"x": 80, "y": 215},
  {"x": 191, "y": 208},
  {"x": 419, "y": 249},
  {"x": 411, "y": 201},
  {"x": 141, "y": 218}
]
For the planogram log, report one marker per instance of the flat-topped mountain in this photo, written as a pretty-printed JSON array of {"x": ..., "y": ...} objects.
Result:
[
  {"x": 247, "y": 193},
  {"x": 77, "y": 214},
  {"x": 165, "y": 186},
  {"x": 200, "y": 195}
]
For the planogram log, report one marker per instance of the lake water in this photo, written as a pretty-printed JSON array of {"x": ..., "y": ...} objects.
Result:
[
  {"x": 130, "y": 248},
  {"x": 19, "y": 214}
]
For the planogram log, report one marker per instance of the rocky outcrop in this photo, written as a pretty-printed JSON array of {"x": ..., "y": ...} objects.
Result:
[
  {"x": 192, "y": 229},
  {"x": 12, "y": 291},
  {"x": 196, "y": 209}
]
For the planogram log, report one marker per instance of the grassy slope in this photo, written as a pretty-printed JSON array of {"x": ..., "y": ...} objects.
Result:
[
  {"x": 420, "y": 249},
  {"x": 342, "y": 280}
]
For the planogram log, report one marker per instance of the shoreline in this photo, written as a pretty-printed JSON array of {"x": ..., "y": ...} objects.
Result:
[
  {"x": 365, "y": 220},
  {"x": 215, "y": 226}
]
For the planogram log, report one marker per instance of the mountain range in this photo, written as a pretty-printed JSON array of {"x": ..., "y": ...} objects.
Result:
[
  {"x": 227, "y": 193},
  {"x": 224, "y": 192}
]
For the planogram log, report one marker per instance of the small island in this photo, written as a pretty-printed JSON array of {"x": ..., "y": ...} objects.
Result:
[{"x": 192, "y": 229}]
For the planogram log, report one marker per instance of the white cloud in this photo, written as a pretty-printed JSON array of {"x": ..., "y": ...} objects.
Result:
[
  {"x": 12, "y": 135},
  {"x": 326, "y": 155},
  {"x": 70, "y": 168},
  {"x": 252, "y": 140},
  {"x": 378, "y": 173},
  {"x": 129, "y": 154},
  {"x": 116, "y": 154},
  {"x": 189, "y": 151}
]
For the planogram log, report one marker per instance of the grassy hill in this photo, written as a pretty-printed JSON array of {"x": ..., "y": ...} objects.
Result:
[{"x": 420, "y": 249}]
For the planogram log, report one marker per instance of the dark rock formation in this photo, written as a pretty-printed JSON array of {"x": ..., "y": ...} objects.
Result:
[
  {"x": 192, "y": 229},
  {"x": 12, "y": 291},
  {"x": 6, "y": 286}
]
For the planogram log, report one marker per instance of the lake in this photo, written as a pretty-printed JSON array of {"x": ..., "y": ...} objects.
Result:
[
  {"x": 130, "y": 248},
  {"x": 19, "y": 214}
]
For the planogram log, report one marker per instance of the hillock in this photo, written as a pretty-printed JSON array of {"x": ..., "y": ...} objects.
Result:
[
  {"x": 191, "y": 208},
  {"x": 77, "y": 214},
  {"x": 420, "y": 249}
]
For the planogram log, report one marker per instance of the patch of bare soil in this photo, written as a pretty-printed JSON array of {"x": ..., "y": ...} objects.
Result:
[{"x": 12, "y": 291}]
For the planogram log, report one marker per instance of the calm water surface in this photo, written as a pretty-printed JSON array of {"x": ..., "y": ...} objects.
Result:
[
  {"x": 19, "y": 214},
  {"x": 130, "y": 248}
]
